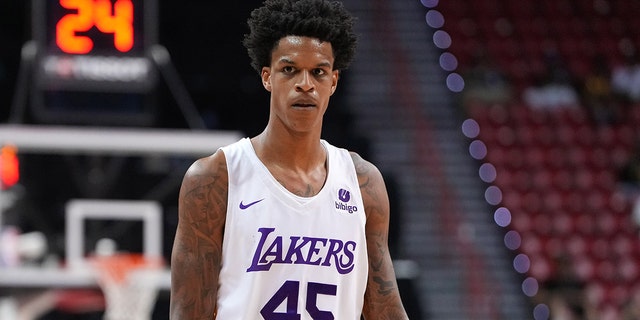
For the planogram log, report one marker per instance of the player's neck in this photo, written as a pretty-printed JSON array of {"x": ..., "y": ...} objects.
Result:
[
  {"x": 298, "y": 164},
  {"x": 294, "y": 151}
]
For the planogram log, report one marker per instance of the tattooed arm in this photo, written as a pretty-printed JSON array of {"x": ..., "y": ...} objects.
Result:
[
  {"x": 382, "y": 298},
  {"x": 197, "y": 247}
]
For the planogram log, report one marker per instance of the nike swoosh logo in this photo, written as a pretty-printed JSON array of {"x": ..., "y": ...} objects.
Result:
[{"x": 244, "y": 206}]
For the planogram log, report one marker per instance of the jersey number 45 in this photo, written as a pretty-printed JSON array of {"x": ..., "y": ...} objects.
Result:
[{"x": 289, "y": 292}]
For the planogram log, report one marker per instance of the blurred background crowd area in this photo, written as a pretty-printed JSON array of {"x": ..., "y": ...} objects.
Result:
[{"x": 553, "y": 87}]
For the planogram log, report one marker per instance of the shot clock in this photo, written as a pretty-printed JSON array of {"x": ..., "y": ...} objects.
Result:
[
  {"x": 115, "y": 19},
  {"x": 95, "y": 44},
  {"x": 93, "y": 55}
]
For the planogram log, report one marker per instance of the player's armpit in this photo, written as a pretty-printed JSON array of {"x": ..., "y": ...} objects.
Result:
[{"x": 197, "y": 248}]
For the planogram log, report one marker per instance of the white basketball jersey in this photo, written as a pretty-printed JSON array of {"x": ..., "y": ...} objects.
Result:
[{"x": 291, "y": 257}]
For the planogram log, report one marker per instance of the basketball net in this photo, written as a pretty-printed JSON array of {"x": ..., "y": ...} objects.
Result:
[{"x": 129, "y": 283}]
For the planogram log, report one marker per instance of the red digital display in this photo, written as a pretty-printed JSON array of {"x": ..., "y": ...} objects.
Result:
[
  {"x": 9, "y": 166},
  {"x": 96, "y": 27},
  {"x": 110, "y": 18}
]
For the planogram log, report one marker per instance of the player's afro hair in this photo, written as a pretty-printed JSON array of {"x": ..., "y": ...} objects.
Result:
[{"x": 321, "y": 19}]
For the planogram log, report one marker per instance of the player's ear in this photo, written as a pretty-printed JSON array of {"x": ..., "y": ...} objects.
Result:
[
  {"x": 265, "y": 74},
  {"x": 334, "y": 80}
]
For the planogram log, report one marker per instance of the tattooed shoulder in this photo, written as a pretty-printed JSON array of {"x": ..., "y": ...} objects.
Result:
[{"x": 204, "y": 188}]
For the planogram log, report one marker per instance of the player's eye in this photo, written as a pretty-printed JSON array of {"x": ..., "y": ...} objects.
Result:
[
  {"x": 288, "y": 69},
  {"x": 319, "y": 72}
]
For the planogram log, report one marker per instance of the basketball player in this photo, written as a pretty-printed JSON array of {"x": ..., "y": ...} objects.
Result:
[{"x": 284, "y": 225}]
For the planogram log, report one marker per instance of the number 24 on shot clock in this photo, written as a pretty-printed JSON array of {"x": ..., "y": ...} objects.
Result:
[
  {"x": 112, "y": 27},
  {"x": 114, "y": 18}
]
